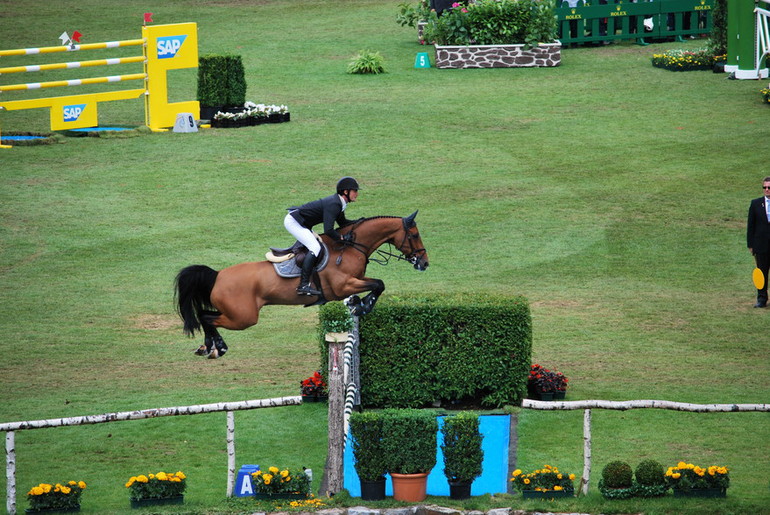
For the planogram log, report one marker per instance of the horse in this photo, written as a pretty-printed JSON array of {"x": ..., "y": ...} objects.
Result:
[{"x": 231, "y": 298}]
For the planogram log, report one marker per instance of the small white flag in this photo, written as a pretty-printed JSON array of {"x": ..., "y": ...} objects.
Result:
[{"x": 65, "y": 39}]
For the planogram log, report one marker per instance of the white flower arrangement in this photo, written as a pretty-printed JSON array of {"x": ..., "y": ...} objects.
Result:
[{"x": 252, "y": 110}]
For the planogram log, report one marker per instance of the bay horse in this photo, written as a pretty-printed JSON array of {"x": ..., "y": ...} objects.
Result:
[{"x": 232, "y": 298}]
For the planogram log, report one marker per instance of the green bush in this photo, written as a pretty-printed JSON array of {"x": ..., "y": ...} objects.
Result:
[
  {"x": 650, "y": 473},
  {"x": 409, "y": 440},
  {"x": 221, "y": 80},
  {"x": 494, "y": 22},
  {"x": 617, "y": 474},
  {"x": 461, "y": 447},
  {"x": 368, "y": 451},
  {"x": 367, "y": 62},
  {"x": 416, "y": 350}
]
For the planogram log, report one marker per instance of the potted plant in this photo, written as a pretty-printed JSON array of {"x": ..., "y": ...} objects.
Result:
[
  {"x": 546, "y": 384},
  {"x": 278, "y": 483},
  {"x": 409, "y": 444},
  {"x": 688, "y": 480},
  {"x": 55, "y": 498},
  {"x": 313, "y": 388},
  {"x": 221, "y": 84},
  {"x": 369, "y": 454},
  {"x": 617, "y": 481},
  {"x": 494, "y": 34},
  {"x": 545, "y": 483},
  {"x": 649, "y": 479},
  {"x": 156, "y": 489},
  {"x": 462, "y": 451},
  {"x": 335, "y": 321}
]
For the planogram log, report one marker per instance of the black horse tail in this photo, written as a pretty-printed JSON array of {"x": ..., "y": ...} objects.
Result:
[{"x": 193, "y": 287}]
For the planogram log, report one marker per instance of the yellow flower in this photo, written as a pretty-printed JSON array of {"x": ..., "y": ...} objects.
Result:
[
  {"x": 152, "y": 476},
  {"x": 174, "y": 479},
  {"x": 681, "y": 465},
  {"x": 284, "y": 473},
  {"x": 572, "y": 477},
  {"x": 82, "y": 485},
  {"x": 558, "y": 476},
  {"x": 180, "y": 475},
  {"x": 267, "y": 478},
  {"x": 526, "y": 481},
  {"x": 517, "y": 473},
  {"x": 699, "y": 471},
  {"x": 36, "y": 491},
  {"x": 256, "y": 474},
  {"x": 142, "y": 478},
  {"x": 273, "y": 470},
  {"x": 65, "y": 490},
  {"x": 557, "y": 487},
  {"x": 46, "y": 488},
  {"x": 676, "y": 475},
  {"x": 72, "y": 483},
  {"x": 162, "y": 476}
]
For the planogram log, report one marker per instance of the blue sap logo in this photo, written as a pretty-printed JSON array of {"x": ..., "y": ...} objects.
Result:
[
  {"x": 72, "y": 112},
  {"x": 168, "y": 46}
]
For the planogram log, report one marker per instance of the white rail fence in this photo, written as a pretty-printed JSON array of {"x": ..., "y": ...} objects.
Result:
[
  {"x": 588, "y": 405},
  {"x": 230, "y": 407}
]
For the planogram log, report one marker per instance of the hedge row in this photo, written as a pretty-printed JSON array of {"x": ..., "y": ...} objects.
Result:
[{"x": 462, "y": 350}]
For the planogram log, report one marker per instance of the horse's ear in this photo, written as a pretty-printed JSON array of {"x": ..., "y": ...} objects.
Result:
[{"x": 409, "y": 220}]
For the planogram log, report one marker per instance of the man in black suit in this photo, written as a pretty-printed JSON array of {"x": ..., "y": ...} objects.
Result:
[{"x": 758, "y": 237}]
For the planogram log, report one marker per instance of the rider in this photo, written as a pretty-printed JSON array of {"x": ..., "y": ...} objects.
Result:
[{"x": 301, "y": 220}]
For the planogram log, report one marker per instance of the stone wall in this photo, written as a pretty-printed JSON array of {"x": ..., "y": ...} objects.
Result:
[{"x": 498, "y": 56}]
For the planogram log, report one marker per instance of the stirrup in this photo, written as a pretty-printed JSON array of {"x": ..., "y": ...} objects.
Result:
[{"x": 306, "y": 289}]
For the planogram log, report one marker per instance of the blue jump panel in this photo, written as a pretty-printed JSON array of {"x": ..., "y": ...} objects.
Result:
[{"x": 494, "y": 476}]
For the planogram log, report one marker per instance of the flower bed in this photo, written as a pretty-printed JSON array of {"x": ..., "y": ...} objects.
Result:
[
  {"x": 548, "y": 481},
  {"x": 251, "y": 114},
  {"x": 686, "y": 60},
  {"x": 156, "y": 486},
  {"x": 277, "y": 483},
  {"x": 59, "y": 497},
  {"x": 688, "y": 479},
  {"x": 543, "y": 381}
]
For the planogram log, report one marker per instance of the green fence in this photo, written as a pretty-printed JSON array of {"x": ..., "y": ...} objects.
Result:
[{"x": 599, "y": 20}]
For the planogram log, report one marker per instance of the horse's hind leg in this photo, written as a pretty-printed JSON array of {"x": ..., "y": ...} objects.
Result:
[{"x": 214, "y": 345}]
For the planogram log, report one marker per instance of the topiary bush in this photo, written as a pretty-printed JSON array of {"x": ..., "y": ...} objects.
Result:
[
  {"x": 409, "y": 440},
  {"x": 617, "y": 481},
  {"x": 368, "y": 451},
  {"x": 221, "y": 80},
  {"x": 463, "y": 456},
  {"x": 617, "y": 474},
  {"x": 457, "y": 350},
  {"x": 650, "y": 479}
]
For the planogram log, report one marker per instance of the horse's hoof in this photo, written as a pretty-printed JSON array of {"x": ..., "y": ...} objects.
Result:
[
  {"x": 214, "y": 354},
  {"x": 202, "y": 351}
]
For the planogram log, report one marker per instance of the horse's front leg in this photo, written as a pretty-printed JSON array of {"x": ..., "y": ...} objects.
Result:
[{"x": 364, "y": 306}]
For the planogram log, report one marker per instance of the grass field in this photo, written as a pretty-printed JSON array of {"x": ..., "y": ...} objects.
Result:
[{"x": 611, "y": 194}]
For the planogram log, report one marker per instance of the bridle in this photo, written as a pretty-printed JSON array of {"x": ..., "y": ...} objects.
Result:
[{"x": 384, "y": 256}]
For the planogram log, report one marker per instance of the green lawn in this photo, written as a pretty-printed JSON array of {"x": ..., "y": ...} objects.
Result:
[{"x": 611, "y": 194}]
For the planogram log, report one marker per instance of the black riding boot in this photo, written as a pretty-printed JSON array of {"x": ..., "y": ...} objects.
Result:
[{"x": 307, "y": 270}]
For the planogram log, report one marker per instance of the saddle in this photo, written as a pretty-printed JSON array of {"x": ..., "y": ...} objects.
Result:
[{"x": 288, "y": 261}]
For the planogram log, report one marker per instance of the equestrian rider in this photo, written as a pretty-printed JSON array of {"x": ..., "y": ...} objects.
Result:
[{"x": 300, "y": 221}]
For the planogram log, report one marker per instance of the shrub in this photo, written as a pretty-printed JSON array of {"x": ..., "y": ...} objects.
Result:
[
  {"x": 617, "y": 474},
  {"x": 649, "y": 473},
  {"x": 409, "y": 440},
  {"x": 494, "y": 22},
  {"x": 367, "y": 62},
  {"x": 221, "y": 80},
  {"x": 686, "y": 476},
  {"x": 368, "y": 451},
  {"x": 649, "y": 479},
  {"x": 463, "y": 348},
  {"x": 461, "y": 447},
  {"x": 277, "y": 481}
]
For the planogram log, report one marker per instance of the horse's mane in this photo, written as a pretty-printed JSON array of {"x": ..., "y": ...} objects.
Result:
[{"x": 362, "y": 220}]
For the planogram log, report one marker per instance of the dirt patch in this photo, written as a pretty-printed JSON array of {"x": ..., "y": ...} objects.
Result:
[{"x": 156, "y": 322}]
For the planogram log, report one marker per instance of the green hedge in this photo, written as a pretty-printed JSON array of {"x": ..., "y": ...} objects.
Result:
[
  {"x": 221, "y": 80},
  {"x": 470, "y": 349}
]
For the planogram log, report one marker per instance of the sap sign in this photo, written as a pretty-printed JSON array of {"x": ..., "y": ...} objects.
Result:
[
  {"x": 168, "y": 46},
  {"x": 72, "y": 112}
]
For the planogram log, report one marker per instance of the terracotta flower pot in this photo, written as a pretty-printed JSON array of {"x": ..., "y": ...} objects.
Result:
[{"x": 409, "y": 487}]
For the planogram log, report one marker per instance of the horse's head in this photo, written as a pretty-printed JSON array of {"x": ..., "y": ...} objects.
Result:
[{"x": 412, "y": 246}]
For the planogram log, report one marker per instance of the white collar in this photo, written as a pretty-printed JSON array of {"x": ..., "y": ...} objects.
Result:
[{"x": 344, "y": 203}]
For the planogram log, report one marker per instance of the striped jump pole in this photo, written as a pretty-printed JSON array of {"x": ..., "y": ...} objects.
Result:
[{"x": 165, "y": 47}]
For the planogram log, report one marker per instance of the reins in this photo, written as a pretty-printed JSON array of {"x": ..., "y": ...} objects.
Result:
[{"x": 385, "y": 255}]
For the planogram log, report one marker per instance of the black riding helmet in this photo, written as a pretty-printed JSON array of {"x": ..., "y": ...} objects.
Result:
[{"x": 347, "y": 183}]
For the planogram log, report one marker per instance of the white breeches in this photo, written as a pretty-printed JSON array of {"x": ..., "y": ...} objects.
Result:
[{"x": 304, "y": 235}]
